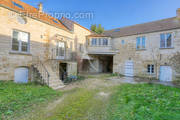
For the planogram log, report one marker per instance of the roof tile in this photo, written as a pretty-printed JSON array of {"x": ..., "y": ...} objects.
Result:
[
  {"x": 161, "y": 25},
  {"x": 32, "y": 12}
]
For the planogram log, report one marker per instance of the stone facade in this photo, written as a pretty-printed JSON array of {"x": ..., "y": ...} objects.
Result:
[
  {"x": 80, "y": 54},
  {"x": 43, "y": 39},
  {"x": 124, "y": 49},
  {"x": 152, "y": 54}
]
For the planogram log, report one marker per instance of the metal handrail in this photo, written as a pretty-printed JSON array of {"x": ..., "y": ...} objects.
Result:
[
  {"x": 38, "y": 64},
  {"x": 46, "y": 71},
  {"x": 68, "y": 55}
]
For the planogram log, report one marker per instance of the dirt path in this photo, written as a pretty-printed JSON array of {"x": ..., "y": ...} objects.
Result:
[{"x": 86, "y": 99}]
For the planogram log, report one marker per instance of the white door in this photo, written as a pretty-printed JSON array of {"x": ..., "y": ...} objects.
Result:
[
  {"x": 21, "y": 75},
  {"x": 165, "y": 73},
  {"x": 129, "y": 69}
]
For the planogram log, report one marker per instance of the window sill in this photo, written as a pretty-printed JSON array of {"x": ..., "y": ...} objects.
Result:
[
  {"x": 151, "y": 73},
  {"x": 101, "y": 46},
  {"x": 166, "y": 48},
  {"x": 140, "y": 49},
  {"x": 20, "y": 53}
]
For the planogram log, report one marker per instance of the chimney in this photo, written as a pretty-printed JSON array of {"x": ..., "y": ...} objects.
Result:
[
  {"x": 40, "y": 7},
  {"x": 178, "y": 13}
]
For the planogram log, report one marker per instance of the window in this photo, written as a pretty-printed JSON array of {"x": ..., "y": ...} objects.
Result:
[
  {"x": 20, "y": 41},
  {"x": 150, "y": 69},
  {"x": 105, "y": 41},
  {"x": 55, "y": 21},
  {"x": 60, "y": 50},
  {"x": 140, "y": 43},
  {"x": 17, "y": 5},
  {"x": 166, "y": 40},
  {"x": 122, "y": 42},
  {"x": 81, "y": 47},
  {"x": 100, "y": 41},
  {"x": 94, "y": 42}
]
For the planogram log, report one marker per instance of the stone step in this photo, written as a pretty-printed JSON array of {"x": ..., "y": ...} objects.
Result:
[
  {"x": 52, "y": 84},
  {"x": 59, "y": 87},
  {"x": 54, "y": 81},
  {"x": 55, "y": 86}
]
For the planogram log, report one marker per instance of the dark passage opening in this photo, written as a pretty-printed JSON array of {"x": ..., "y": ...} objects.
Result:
[
  {"x": 63, "y": 71},
  {"x": 85, "y": 66},
  {"x": 106, "y": 64}
]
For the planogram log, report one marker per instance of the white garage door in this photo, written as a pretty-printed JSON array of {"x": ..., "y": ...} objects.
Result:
[
  {"x": 165, "y": 73},
  {"x": 129, "y": 69},
  {"x": 21, "y": 75}
]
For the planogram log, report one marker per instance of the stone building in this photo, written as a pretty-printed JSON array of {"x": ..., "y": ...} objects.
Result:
[
  {"x": 32, "y": 43},
  {"x": 143, "y": 50}
]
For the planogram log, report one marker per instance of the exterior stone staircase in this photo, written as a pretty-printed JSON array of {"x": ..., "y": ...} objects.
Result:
[
  {"x": 54, "y": 81},
  {"x": 42, "y": 72}
]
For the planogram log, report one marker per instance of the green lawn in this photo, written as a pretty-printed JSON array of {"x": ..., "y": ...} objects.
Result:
[
  {"x": 126, "y": 102},
  {"x": 81, "y": 104},
  {"x": 123, "y": 102},
  {"x": 17, "y": 99},
  {"x": 139, "y": 102}
]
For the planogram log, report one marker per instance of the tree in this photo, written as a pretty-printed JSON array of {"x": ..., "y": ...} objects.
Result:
[
  {"x": 175, "y": 61},
  {"x": 97, "y": 29},
  {"x": 93, "y": 28}
]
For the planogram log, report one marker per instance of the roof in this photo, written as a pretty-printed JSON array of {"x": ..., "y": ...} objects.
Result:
[
  {"x": 97, "y": 35},
  {"x": 68, "y": 23},
  {"x": 161, "y": 25},
  {"x": 31, "y": 11}
]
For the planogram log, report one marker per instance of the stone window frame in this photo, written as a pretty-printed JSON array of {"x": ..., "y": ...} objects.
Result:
[
  {"x": 151, "y": 69},
  {"x": 141, "y": 46},
  {"x": 94, "y": 41},
  {"x": 99, "y": 42},
  {"x": 20, "y": 43},
  {"x": 105, "y": 42},
  {"x": 57, "y": 49},
  {"x": 172, "y": 40}
]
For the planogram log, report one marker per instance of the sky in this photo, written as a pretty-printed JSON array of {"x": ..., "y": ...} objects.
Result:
[{"x": 111, "y": 13}]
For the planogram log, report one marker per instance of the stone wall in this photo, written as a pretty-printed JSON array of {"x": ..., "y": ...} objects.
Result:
[
  {"x": 41, "y": 35},
  {"x": 80, "y": 34},
  {"x": 153, "y": 54}
]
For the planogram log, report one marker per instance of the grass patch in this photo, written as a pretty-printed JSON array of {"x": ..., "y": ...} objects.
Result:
[
  {"x": 17, "y": 99},
  {"x": 80, "y": 104},
  {"x": 144, "y": 101},
  {"x": 74, "y": 107},
  {"x": 177, "y": 81}
]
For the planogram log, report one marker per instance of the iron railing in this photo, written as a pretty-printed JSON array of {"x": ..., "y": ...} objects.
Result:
[
  {"x": 66, "y": 55},
  {"x": 40, "y": 70}
]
